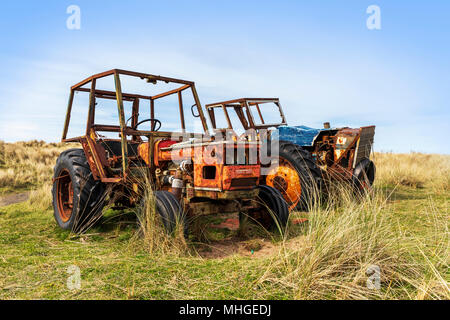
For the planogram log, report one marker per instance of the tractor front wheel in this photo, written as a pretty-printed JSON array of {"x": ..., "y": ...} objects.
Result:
[{"x": 169, "y": 210}]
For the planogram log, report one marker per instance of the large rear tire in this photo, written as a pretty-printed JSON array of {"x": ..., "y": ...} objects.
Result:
[
  {"x": 78, "y": 199},
  {"x": 297, "y": 176}
]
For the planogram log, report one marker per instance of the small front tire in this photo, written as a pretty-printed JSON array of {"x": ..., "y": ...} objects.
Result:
[
  {"x": 169, "y": 209},
  {"x": 273, "y": 211}
]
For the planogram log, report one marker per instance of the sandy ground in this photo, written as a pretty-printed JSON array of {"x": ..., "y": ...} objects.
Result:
[
  {"x": 256, "y": 247},
  {"x": 229, "y": 247}
]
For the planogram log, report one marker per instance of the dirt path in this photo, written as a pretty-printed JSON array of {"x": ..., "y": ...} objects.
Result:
[
  {"x": 250, "y": 248},
  {"x": 234, "y": 245},
  {"x": 229, "y": 247},
  {"x": 6, "y": 200}
]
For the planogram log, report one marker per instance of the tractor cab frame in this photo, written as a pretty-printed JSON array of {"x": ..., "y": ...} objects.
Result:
[
  {"x": 124, "y": 150},
  {"x": 245, "y": 109}
]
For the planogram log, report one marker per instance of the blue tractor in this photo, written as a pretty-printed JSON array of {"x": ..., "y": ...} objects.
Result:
[{"x": 307, "y": 156}]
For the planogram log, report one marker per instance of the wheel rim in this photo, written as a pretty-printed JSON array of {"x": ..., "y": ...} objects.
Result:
[
  {"x": 285, "y": 179},
  {"x": 64, "y": 191}
]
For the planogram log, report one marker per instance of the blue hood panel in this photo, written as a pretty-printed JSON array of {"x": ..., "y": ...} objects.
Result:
[{"x": 301, "y": 135}]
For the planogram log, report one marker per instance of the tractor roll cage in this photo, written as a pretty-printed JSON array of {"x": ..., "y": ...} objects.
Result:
[
  {"x": 242, "y": 108},
  {"x": 120, "y": 96}
]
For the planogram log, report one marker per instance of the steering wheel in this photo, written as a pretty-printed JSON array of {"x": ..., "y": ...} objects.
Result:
[{"x": 155, "y": 123}]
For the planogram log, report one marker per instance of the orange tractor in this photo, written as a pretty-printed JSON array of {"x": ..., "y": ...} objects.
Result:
[
  {"x": 306, "y": 156},
  {"x": 191, "y": 174}
]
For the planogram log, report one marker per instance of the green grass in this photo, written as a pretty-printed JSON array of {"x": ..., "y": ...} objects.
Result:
[{"x": 35, "y": 255}]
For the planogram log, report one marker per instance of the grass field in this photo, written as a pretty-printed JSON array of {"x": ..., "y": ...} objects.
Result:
[{"x": 402, "y": 228}]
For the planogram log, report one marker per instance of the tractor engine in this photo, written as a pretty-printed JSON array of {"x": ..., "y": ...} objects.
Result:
[
  {"x": 335, "y": 147},
  {"x": 218, "y": 170}
]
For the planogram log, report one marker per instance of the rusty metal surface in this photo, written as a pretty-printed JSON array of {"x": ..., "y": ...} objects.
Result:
[{"x": 133, "y": 74}]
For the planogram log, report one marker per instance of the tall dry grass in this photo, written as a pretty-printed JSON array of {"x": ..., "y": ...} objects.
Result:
[
  {"x": 151, "y": 231},
  {"x": 28, "y": 164},
  {"x": 414, "y": 169},
  {"x": 348, "y": 238},
  {"x": 40, "y": 197}
]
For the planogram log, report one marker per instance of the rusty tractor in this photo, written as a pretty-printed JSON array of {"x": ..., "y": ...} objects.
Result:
[
  {"x": 307, "y": 156},
  {"x": 186, "y": 170}
]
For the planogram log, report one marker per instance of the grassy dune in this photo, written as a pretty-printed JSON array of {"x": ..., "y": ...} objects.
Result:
[
  {"x": 402, "y": 228},
  {"x": 24, "y": 165}
]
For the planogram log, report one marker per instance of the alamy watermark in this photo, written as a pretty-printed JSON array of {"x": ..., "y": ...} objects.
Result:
[
  {"x": 373, "y": 22},
  {"x": 73, "y": 22},
  {"x": 74, "y": 279},
  {"x": 374, "y": 277}
]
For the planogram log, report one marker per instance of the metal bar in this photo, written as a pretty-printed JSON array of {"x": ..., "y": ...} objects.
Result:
[
  {"x": 95, "y": 76},
  {"x": 151, "y": 151},
  {"x": 75, "y": 139},
  {"x": 91, "y": 112},
  {"x": 259, "y": 112},
  {"x": 249, "y": 114},
  {"x": 240, "y": 100},
  {"x": 212, "y": 117},
  {"x": 69, "y": 111},
  {"x": 241, "y": 116},
  {"x": 100, "y": 96},
  {"x": 133, "y": 74},
  {"x": 180, "y": 102},
  {"x": 152, "y": 112},
  {"x": 135, "y": 115},
  {"x": 97, "y": 161},
  {"x": 168, "y": 93},
  {"x": 200, "y": 109},
  {"x": 122, "y": 124},
  {"x": 152, "y": 76},
  {"x": 230, "y": 126},
  {"x": 113, "y": 94},
  {"x": 108, "y": 128},
  {"x": 283, "y": 118}
]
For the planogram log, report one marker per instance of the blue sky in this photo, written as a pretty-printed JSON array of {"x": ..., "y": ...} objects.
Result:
[{"x": 318, "y": 57}]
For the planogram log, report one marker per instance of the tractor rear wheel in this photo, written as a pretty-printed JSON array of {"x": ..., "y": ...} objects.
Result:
[
  {"x": 364, "y": 175},
  {"x": 297, "y": 176},
  {"x": 169, "y": 209},
  {"x": 273, "y": 212},
  {"x": 78, "y": 199}
]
